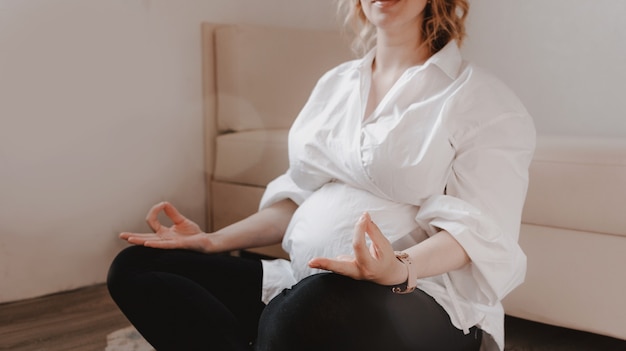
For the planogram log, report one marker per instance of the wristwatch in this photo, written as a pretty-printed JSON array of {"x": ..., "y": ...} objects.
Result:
[{"x": 412, "y": 281}]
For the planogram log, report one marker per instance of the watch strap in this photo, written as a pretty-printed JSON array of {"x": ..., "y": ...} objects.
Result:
[{"x": 411, "y": 282}]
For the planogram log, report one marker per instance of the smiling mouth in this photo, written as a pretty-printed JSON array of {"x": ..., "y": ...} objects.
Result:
[{"x": 383, "y": 3}]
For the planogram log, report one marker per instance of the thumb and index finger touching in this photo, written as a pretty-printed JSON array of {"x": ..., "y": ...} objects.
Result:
[
  {"x": 170, "y": 211},
  {"x": 365, "y": 226},
  {"x": 362, "y": 252}
]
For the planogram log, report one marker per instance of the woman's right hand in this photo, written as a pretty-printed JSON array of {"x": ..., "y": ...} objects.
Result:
[{"x": 183, "y": 234}]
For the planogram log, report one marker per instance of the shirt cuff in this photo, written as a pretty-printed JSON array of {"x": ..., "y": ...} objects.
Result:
[{"x": 282, "y": 188}]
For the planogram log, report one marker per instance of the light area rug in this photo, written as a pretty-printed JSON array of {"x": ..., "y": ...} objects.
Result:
[{"x": 127, "y": 339}]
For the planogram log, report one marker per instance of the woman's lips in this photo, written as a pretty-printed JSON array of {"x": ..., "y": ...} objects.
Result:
[{"x": 384, "y": 3}]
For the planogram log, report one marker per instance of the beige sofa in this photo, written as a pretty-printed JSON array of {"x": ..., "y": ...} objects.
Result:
[{"x": 574, "y": 225}]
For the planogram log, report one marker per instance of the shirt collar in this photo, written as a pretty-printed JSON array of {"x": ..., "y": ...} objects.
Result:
[
  {"x": 448, "y": 59},
  {"x": 367, "y": 60}
]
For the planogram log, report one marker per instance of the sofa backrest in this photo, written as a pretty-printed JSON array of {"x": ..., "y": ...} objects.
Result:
[
  {"x": 578, "y": 183},
  {"x": 265, "y": 74}
]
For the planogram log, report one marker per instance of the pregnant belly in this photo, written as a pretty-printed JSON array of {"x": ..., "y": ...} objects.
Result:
[{"x": 323, "y": 225}]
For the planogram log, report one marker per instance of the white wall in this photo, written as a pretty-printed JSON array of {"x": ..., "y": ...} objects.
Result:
[
  {"x": 566, "y": 59},
  {"x": 100, "y": 117}
]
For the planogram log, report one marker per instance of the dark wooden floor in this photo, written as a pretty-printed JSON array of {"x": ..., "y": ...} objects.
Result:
[
  {"x": 74, "y": 321},
  {"x": 80, "y": 320},
  {"x": 523, "y": 335}
]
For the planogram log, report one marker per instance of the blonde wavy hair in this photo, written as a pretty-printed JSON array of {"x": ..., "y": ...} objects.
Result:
[{"x": 444, "y": 20}]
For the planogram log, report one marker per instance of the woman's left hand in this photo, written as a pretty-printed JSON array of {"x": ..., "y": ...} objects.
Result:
[{"x": 378, "y": 263}]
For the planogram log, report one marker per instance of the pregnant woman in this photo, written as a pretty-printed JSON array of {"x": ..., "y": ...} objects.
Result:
[{"x": 400, "y": 211}]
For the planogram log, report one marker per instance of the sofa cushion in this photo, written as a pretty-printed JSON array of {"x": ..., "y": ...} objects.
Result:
[
  {"x": 251, "y": 158},
  {"x": 566, "y": 270},
  {"x": 578, "y": 184},
  {"x": 264, "y": 75}
]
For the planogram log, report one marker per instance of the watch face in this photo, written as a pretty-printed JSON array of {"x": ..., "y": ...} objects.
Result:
[{"x": 402, "y": 255}]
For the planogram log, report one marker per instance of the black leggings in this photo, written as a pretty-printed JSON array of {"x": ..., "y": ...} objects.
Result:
[{"x": 183, "y": 300}]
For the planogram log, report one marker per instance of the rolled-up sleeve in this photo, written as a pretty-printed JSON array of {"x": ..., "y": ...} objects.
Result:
[
  {"x": 482, "y": 205},
  {"x": 283, "y": 187}
]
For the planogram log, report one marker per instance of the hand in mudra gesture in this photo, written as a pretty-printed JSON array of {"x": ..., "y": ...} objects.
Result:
[
  {"x": 183, "y": 234},
  {"x": 376, "y": 262}
]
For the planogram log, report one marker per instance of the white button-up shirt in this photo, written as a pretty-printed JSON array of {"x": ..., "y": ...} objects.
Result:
[{"x": 448, "y": 148}]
